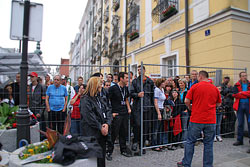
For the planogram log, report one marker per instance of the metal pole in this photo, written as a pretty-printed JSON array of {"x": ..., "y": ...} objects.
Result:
[
  {"x": 187, "y": 37},
  {"x": 100, "y": 49},
  {"x": 125, "y": 47},
  {"x": 141, "y": 150},
  {"x": 23, "y": 128},
  {"x": 129, "y": 116}
]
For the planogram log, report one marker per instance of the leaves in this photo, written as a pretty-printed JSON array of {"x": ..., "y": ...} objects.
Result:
[{"x": 7, "y": 114}]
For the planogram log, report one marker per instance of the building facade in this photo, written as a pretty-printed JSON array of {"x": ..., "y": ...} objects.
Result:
[{"x": 211, "y": 33}]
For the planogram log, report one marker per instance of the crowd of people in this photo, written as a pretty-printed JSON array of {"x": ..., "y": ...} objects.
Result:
[{"x": 103, "y": 108}]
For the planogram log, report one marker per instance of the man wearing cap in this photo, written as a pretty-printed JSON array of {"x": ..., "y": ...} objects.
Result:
[
  {"x": 56, "y": 103},
  {"x": 37, "y": 100}
]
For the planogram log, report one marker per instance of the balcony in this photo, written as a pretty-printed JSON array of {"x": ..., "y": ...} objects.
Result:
[
  {"x": 116, "y": 5},
  {"x": 164, "y": 10}
]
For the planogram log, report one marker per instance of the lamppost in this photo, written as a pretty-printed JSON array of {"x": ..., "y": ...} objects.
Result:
[{"x": 23, "y": 128}]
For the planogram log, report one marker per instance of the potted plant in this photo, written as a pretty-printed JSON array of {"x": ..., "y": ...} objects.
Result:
[
  {"x": 134, "y": 34},
  {"x": 168, "y": 12}
]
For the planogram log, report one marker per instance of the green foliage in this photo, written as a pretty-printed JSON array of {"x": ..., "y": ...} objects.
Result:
[{"x": 7, "y": 115}]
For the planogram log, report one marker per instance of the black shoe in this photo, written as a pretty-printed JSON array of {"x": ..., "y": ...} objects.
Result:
[
  {"x": 238, "y": 143},
  {"x": 143, "y": 151},
  {"x": 126, "y": 154},
  {"x": 109, "y": 156},
  {"x": 182, "y": 145},
  {"x": 248, "y": 151},
  {"x": 179, "y": 164},
  {"x": 134, "y": 146}
]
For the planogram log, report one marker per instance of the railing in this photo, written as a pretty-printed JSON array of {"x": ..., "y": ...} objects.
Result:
[{"x": 164, "y": 10}]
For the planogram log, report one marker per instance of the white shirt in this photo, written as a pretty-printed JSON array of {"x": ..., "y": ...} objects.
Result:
[{"x": 160, "y": 96}]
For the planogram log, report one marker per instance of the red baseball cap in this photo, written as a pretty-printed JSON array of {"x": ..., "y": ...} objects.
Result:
[{"x": 33, "y": 74}]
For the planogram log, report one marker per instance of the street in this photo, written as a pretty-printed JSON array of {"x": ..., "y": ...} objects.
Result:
[{"x": 225, "y": 155}]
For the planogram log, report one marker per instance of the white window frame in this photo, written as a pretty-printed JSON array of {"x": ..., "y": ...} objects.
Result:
[{"x": 166, "y": 56}]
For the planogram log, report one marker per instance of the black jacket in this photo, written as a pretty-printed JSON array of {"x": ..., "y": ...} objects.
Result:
[
  {"x": 148, "y": 99},
  {"x": 93, "y": 116},
  {"x": 37, "y": 99}
]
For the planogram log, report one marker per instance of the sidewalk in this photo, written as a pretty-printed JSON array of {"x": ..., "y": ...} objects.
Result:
[{"x": 225, "y": 155}]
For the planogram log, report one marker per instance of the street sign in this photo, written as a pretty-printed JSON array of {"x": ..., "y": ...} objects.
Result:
[
  {"x": 35, "y": 21},
  {"x": 207, "y": 32}
]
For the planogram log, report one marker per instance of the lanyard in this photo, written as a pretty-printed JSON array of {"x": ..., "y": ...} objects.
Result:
[
  {"x": 122, "y": 93},
  {"x": 99, "y": 103}
]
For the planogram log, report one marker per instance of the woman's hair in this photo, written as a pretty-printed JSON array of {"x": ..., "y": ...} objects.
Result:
[
  {"x": 159, "y": 81},
  {"x": 183, "y": 80},
  {"x": 92, "y": 86}
]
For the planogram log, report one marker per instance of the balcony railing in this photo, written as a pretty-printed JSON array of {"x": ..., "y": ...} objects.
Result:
[{"x": 164, "y": 10}]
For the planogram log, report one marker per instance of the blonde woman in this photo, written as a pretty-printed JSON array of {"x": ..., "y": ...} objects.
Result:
[{"x": 95, "y": 121}]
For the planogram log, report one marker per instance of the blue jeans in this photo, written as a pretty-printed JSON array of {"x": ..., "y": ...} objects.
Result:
[
  {"x": 218, "y": 122},
  {"x": 75, "y": 128},
  {"x": 194, "y": 132},
  {"x": 184, "y": 124},
  {"x": 243, "y": 109}
]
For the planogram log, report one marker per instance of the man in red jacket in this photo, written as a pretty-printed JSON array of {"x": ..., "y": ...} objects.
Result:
[{"x": 241, "y": 94}]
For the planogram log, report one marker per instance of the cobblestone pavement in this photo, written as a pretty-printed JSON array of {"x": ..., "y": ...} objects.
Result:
[{"x": 225, "y": 155}]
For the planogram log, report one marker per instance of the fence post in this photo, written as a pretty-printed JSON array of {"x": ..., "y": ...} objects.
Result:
[
  {"x": 141, "y": 150},
  {"x": 129, "y": 116},
  {"x": 218, "y": 77}
]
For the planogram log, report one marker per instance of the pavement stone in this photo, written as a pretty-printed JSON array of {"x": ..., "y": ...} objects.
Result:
[{"x": 225, "y": 155}]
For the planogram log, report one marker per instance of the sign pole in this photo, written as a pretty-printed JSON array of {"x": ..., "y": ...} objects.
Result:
[{"x": 23, "y": 128}]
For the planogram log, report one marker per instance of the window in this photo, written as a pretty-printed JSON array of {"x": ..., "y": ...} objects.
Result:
[
  {"x": 170, "y": 69},
  {"x": 167, "y": 8},
  {"x": 133, "y": 22}
]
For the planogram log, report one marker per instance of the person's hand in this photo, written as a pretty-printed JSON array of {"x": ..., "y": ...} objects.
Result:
[
  {"x": 104, "y": 129},
  {"x": 129, "y": 111},
  {"x": 48, "y": 109},
  {"x": 186, "y": 111},
  {"x": 159, "y": 117},
  {"x": 114, "y": 115},
  {"x": 141, "y": 94},
  {"x": 38, "y": 115},
  {"x": 63, "y": 110}
]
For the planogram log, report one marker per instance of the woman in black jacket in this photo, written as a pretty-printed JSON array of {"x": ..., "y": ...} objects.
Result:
[{"x": 95, "y": 121}]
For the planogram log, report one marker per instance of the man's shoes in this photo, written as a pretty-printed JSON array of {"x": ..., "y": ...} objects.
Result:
[
  {"x": 182, "y": 145},
  {"x": 215, "y": 139},
  {"x": 219, "y": 138},
  {"x": 238, "y": 143},
  {"x": 144, "y": 151},
  {"x": 126, "y": 154},
  {"x": 109, "y": 156},
  {"x": 134, "y": 146},
  {"x": 179, "y": 164},
  {"x": 248, "y": 151}
]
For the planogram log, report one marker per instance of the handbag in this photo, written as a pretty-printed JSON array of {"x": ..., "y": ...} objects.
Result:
[{"x": 166, "y": 115}]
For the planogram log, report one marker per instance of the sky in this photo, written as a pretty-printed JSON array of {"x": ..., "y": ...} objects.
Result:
[{"x": 61, "y": 20}]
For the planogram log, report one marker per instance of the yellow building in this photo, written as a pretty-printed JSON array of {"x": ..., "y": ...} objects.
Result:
[{"x": 217, "y": 35}]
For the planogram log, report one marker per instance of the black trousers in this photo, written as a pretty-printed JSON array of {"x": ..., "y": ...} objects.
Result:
[
  {"x": 147, "y": 125},
  {"x": 119, "y": 127},
  {"x": 56, "y": 120},
  {"x": 101, "y": 161}
]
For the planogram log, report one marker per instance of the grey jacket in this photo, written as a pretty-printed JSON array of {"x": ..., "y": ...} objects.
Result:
[{"x": 37, "y": 99}]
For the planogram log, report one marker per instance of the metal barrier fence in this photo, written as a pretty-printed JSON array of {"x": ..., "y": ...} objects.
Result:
[
  {"x": 147, "y": 130},
  {"x": 172, "y": 131}
]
